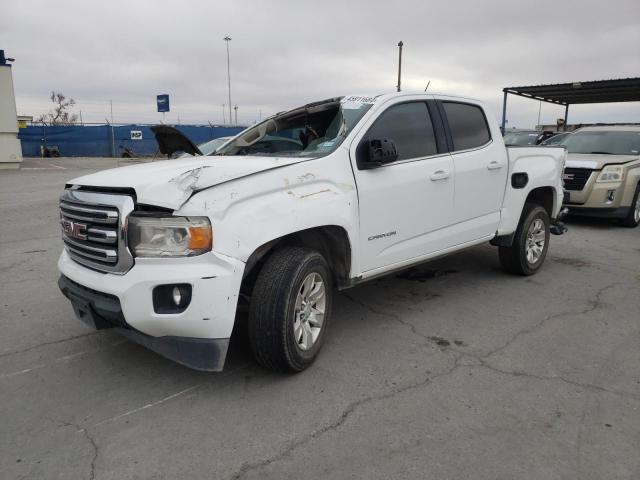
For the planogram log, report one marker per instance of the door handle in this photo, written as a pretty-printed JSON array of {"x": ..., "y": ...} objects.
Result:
[
  {"x": 494, "y": 165},
  {"x": 439, "y": 175}
]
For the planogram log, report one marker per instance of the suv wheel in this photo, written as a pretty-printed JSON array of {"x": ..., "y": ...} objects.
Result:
[
  {"x": 529, "y": 249},
  {"x": 290, "y": 309},
  {"x": 633, "y": 217}
]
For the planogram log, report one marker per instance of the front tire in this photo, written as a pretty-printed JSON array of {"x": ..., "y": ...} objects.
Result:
[
  {"x": 633, "y": 217},
  {"x": 290, "y": 309},
  {"x": 529, "y": 249}
]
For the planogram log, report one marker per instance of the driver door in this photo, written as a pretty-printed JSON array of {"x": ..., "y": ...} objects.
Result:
[{"x": 404, "y": 205}]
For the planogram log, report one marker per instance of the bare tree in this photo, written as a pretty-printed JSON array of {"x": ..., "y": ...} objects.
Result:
[{"x": 60, "y": 114}]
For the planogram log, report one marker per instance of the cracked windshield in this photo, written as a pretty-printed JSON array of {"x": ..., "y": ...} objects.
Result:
[{"x": 313, "y": 130}]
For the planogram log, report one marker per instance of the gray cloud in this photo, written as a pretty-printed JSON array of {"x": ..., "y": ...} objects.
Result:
[{"x": 285, "y": 53}]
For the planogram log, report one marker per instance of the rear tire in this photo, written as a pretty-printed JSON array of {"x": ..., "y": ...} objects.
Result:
[
  {"x": 529, "y": 249},
  {"x": 633, "y": 217},
  {"x": 290, "y": 309}
]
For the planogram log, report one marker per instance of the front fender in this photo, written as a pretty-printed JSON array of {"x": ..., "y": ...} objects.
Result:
[{"x": 249, "y": 212}]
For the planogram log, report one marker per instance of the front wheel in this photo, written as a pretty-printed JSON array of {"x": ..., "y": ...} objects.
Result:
[
  {"x": 290, "y": 309},
  {"x": 633, "y": 217},
  {"x": 529, "y": 249}
]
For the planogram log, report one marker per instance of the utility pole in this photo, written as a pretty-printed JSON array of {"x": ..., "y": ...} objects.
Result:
[
  {"x": 228, "y": 39},
  {"x": 113, "y": 140},
  {"x": 224, "y": 116},
  {"x": 236, "y": 111},
  {"x": 400, "y": 45}
]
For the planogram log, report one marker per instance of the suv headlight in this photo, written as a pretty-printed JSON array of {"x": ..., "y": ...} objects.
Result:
[
  {"x": 169, "y": 236},
  {"x": 611, "y": 173}
]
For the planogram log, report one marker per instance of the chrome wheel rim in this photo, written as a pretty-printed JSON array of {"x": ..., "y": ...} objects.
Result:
[
  {"x": 536, "y": 238},
  {"x": 636, "y": 214},
  {"x": 309, "y": 311}
]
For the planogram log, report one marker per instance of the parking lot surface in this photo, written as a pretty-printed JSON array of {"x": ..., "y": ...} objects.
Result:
[{"x": 451, "y": 370}]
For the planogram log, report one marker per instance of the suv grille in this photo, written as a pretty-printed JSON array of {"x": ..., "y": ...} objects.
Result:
[
  {"x": 576, "y": 178},
  {"x": 93, "y": 229}
]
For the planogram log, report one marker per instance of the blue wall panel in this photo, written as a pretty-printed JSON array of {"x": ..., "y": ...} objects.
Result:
[{"x": 95, "y": 140}]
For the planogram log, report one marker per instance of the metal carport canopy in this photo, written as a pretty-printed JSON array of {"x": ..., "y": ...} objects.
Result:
[{"x": 598, "y": 91}]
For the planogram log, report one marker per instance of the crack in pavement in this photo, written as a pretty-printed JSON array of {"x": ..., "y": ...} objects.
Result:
[
  {"x": 94, "y": 445},
  {"x": 338, "y": 422},
  {"x": 520, "y": 373},
  {"x": 393, "y": 316},
  {"x": 484, "y": 359},
  {"x": 595, "y": 304}
]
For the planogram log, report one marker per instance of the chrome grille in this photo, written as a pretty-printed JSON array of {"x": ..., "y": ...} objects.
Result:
[{"x": 94, "y": 229}]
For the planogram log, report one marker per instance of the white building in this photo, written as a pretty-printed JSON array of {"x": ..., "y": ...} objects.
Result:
[{"x": 10, "y": 151}]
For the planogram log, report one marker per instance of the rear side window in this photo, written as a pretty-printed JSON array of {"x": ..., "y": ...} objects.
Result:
[
  {"x": 409, "y": 126},
  {"x": 468, "y": 125}
]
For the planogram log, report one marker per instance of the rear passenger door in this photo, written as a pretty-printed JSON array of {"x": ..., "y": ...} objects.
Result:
[
  {"x": 481, "y": 168},
  {"x": 403, "y": 204}
]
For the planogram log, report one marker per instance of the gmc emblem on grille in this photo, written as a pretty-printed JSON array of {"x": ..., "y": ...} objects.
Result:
[
  {"x": 74, "y": 229},
  {"x": 568, "y": 176}
]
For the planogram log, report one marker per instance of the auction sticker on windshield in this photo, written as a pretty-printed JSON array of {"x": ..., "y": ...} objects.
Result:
[{"x": 355, "y": 102}]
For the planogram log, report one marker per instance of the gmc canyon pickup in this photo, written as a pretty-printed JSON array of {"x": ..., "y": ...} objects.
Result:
[{"x": 166, "y": 252}]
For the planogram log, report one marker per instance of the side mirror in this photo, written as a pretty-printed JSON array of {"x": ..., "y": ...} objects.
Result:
[{"x": 374, "y": 153}]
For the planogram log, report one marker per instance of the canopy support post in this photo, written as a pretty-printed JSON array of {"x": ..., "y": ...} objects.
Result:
[{"x": 504, "y": 110}]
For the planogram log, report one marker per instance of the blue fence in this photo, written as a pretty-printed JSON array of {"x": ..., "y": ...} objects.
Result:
[{"x": 95, "y": 140}]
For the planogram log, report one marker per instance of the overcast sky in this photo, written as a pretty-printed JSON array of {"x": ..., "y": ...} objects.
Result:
[{"x": 287, "y": 53}]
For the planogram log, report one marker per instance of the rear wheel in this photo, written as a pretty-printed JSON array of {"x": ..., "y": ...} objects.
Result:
[
  {"x": 529, "y": 249},
  {"x": 633, "y": 217},
  {"x": 290, "y": 309}
]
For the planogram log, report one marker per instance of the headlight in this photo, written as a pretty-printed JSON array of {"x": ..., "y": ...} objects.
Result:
[
  {"x": 169, "y": 236},
  {"x": 611, "y": 173}
]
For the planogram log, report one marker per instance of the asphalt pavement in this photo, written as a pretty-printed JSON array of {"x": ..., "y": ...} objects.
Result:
[{"x": 450, "y": 370}]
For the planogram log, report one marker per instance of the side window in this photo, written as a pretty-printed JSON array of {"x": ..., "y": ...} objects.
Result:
[
  {"x": 468, "y": 125},
  {"x": 409, "y": 126}
]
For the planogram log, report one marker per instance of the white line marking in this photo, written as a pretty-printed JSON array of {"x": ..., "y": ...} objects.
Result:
[
  {"x": 66, "y": 358},
  {"x": 26, "y": 370},
  {"x": 69, "y": 357},
  {"x": 144, "y": 407}
]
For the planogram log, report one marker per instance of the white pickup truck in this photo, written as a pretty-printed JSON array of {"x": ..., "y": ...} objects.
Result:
[{"x": 327, "y": 195}]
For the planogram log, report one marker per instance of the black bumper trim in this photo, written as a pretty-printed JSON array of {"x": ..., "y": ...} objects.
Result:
[
  {"x": 620, "y": 212},
  {"x": 96, "y": 309},
  {"x": 205, "y": 354},
  {"x": 100, "y": 310}
]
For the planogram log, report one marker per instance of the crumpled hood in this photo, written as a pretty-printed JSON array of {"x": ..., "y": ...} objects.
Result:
[
  {"x": 596, "y": 162},
  {"x": 170, "y": 183}
]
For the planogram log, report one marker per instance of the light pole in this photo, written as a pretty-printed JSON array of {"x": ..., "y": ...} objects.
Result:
[
  {"x": 236, "y": 109},
  {"x": 227, "y": 39},
  {"x": 400, "y": 45},
  {"x": 224, "y": 116}
]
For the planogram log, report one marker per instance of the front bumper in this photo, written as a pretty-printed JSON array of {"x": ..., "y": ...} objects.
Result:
[
  {"x": 596, "y": 195},
  {"x": 619, "y": 213},
  {"x": 100, "y": 310},
  {"x": 197, "y": 337}
]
